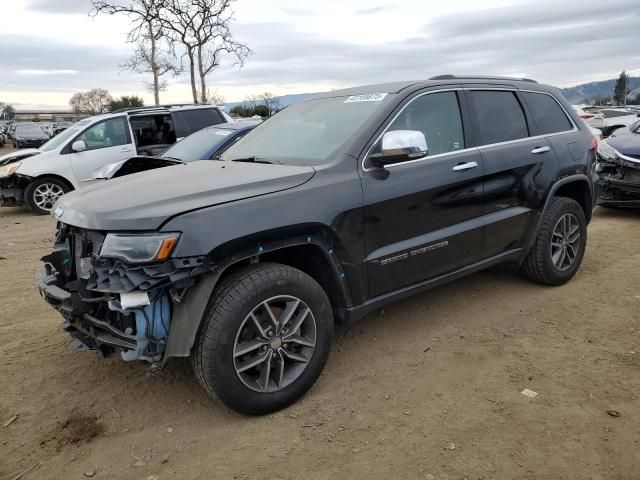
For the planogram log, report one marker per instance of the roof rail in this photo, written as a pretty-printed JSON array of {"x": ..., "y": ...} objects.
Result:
[
  {"x": 479, "y": 77},
  {"x": 158, "y": 107}
]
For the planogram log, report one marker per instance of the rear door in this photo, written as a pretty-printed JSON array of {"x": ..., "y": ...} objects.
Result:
[
  {"x": 422, "y": 217},
  {"x": 106, "y": 142},
  {"x": 517, "y": 167}
]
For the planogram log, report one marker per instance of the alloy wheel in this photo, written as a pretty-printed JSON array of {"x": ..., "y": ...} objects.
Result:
[
  {"x": 274, "y": 344},
  {"x": 565, "y": 242},
  {"x": 46, "y": 195}
]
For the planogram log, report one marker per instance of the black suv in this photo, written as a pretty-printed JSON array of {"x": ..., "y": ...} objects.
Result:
[{"x": 327, "y": 211}]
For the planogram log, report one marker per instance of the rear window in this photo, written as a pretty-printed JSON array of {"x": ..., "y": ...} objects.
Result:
[
  {"x": 548, "y": 116},
  {"x": 498, "y": 116},
  {"x": 189, "y": 121}
]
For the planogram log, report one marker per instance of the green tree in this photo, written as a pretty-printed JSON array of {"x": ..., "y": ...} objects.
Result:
[
  {"x": 621, "y": 89},
  {"x": 8, "y": 113},
  {"x": 126, "y": 102}
]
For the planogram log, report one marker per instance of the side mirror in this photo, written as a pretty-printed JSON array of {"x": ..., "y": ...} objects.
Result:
[
  {"x": 79, "y": 146},
  {"x": 400, "y": 146}
]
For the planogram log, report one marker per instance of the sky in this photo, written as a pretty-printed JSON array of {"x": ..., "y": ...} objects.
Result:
[{"x": 51, "y": 49}]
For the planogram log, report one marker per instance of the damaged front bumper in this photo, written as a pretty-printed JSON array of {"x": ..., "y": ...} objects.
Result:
[
  {"x": 619, "y": 182},
  {"x": 12, "y": 191},
  {"x": 144, "y": 312}
]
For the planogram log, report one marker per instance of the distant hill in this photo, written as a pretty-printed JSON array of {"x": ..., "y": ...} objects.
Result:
[
  {"x": 575, "y": 94},
  {"x": 578, "y": 93}
]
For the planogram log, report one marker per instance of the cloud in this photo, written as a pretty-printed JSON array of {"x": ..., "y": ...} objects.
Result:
[
  {"x": 40, "y": 72},
  {"x": 60, "y": 6},
  {"x": 374, "y": 10}
]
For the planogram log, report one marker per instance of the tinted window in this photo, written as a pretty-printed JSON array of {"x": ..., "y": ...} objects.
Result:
[
  {"x": 189, "y": 121},
  {"x": 109, "y": 133},
  {"x": 548, "y": 116},
  {"x": 499, "y": 116},
  {"x": 437, "y": 116}
]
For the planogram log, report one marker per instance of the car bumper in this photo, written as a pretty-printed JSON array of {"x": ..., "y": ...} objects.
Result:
[
  {"x": 11, "y": 191},
  {"x": 30, "y": 143},
  {"x": 619, "y": 182}
]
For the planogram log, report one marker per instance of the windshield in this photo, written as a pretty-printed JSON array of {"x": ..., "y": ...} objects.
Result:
[
  {"x": 307, "y": 133},
  {"x": 28, "y": 130},
  {"x": 59, "y": 139},
  {"x": 199, "y": 145}
]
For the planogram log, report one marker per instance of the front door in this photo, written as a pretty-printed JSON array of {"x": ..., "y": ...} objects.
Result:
[
  {"x": 105, "y": 142},
  {"x": 422, "y": 216}
]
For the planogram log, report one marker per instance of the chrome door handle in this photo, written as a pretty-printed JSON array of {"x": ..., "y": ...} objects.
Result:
[
  {"x": 465, "y": 166},
  {"x": 540, "y": 150}
]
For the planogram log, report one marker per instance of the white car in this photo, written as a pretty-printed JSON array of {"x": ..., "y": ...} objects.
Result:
[
  {"x": 615, "y": 118},
  {"x": 68, "y": 160}
]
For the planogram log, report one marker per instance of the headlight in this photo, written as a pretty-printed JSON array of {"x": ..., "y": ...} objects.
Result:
[
  {"x": 607, "y": 152},
  {"x": 9, "y": 170},
  {"x": 139, "y": 248}
]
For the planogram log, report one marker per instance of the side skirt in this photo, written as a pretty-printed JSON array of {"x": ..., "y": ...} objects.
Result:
[{"x": 352, "y": 315}]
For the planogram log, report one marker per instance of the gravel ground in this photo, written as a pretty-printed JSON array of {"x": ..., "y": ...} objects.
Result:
[{"x": 428, "y": 388}]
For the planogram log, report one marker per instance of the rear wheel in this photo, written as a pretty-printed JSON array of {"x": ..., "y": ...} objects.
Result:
[
  {"x": 265, "y": 338},
  {"x": 41, "y": 194},
  {"x": 559, "y": 247}
]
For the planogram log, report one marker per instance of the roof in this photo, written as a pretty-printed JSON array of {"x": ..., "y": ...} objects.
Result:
[
  {"x": 235, "y": 125},
  {"x": 397, "y": 87}
]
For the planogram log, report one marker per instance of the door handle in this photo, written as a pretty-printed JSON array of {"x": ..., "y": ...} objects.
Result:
[
  {"x": 461, "y": 167},
  {"x": 540, "y": 150}
]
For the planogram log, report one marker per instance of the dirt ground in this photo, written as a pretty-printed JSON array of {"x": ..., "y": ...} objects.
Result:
[{"x": 428, "y": 388}]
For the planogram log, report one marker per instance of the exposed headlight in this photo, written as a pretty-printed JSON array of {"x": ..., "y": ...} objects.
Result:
[
  {"x": 607, "y": 152},
  {"x": 9, "y": 170},
  {"x": 139, "y": 248}
]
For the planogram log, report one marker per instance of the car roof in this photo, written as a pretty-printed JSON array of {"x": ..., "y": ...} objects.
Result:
[{"x": 397, "y": 87}]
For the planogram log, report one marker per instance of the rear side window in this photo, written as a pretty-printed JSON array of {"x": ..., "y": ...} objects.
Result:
[
  {"x": 498, "y": 116},
  {"x": 190, "y": 121},
  {"x": 548, "y": 116}
]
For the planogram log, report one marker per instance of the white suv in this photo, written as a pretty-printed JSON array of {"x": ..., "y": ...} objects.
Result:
[{"x": 39, "y": 177}]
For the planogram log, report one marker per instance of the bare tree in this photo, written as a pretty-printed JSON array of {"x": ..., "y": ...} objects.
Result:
[
  {"x": 272, "y": 103},
  {"x": 251, "y": 101},
  {"x": 212, "y": 96},
  {"x": 202, "y": 28},
  {"x": 93, "y": 102},
  {"x": 146, "y": 32}
]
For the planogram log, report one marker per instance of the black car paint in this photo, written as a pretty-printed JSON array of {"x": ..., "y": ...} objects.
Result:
[{"x": 386, "y": 233}]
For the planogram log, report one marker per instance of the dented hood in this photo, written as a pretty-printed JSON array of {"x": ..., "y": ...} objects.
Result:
[
  {"x": 143, "y": 201},
  {"x": 18, "y": 155}
]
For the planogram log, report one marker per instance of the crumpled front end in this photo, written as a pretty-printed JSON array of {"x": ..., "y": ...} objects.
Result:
[
  {"x": 112, "y": 306},
  {"x": 619, "y": 181},
  {"x": 12, "y": 191}
]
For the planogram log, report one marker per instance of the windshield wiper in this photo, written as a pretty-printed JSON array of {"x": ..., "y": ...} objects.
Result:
[{"x": 255, "y": 160}]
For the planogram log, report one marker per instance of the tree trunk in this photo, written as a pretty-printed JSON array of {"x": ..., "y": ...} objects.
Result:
[
  {"x": 192, "y": 71},
  {"x": 203, "y": 82},
  {"x": 154, "y": 66}
]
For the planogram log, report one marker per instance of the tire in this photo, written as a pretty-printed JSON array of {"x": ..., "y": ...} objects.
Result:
[
  {"x": 227, "y": 324},
  {"x": 541, "y": 265},
  {"x": 37, "y": 198}
]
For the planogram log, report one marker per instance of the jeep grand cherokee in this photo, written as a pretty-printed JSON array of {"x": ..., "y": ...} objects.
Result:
[{"x": 329, "y": 210}]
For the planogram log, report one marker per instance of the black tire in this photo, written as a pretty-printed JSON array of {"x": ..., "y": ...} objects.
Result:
[
  {"x": 539, "y": 265},
  {"x": 212, "y": 356},
  {"x": 34, "y": 202}
]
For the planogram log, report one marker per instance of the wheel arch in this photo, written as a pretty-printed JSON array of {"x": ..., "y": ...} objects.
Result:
[
  {"x": 311, "y": 250},
  {"x": 52, "y": 175},
  {"x": 576, "y": 187}
]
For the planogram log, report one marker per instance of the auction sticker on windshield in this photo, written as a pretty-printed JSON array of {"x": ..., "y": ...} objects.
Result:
[{"x": 370, "y": 97}]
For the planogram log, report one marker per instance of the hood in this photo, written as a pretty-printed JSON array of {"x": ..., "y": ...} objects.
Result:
[
  {"x": 144, "y": 201},
  {"x": 18, "y": 155},
  {"x": 627, "y": 144}
]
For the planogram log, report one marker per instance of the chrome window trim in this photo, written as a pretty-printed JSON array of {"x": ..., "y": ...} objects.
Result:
[{"x": 478, "y": 148}]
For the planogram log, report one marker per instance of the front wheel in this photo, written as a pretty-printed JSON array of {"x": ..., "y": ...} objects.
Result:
[
  {"x": 559, "y": 247},
  {"x": 264, "y": 339},
  {"x": 41, "y": 194}
]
